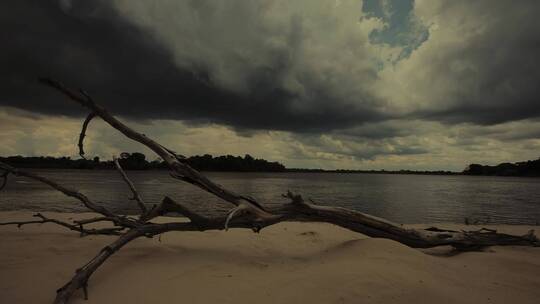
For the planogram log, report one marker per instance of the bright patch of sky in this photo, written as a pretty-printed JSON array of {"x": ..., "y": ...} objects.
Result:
[{"x": 402, "y": 28}]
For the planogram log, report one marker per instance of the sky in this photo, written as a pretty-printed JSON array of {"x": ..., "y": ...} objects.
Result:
[{"x": 422, "y": 85}]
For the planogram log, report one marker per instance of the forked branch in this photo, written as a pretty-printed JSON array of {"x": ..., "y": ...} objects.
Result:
[
  {"x": 87, "y": 202},
  {"x": 246, "y": 213},
  {"x": 178, "y": 168},
  {"x": 76, "y": 226}
]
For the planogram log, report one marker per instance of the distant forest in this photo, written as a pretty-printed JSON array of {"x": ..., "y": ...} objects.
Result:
[
  {"x": 525, "y": 168},
  {"x": 137, "y": 161}
]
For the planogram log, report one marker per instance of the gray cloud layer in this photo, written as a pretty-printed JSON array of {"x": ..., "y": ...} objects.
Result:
[
  {"x": 479, "y": 65},
  {"x": 343, "y": 82},
  {"x": 299, "y": 66},
  {"x": 499, "y": 69},
  {"x": 135, "y": 73}
]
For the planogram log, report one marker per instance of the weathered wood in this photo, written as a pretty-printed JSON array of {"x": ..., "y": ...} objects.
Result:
[
  {"x": 136, "y": 196},
  {"x": 80, "y": 280},
  {"x": 295, "y": 210},
  {"x": 82, "y": 135},
  {"x": 247, "y": 212},
  {"x": 87, "y": 202},
  {"x": 179, "y": 169},
  {"x": 76, "y": 226}
]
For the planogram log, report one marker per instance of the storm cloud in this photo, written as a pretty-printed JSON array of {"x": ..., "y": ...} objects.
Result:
[
  {"x": 224, "y": 75},
  {"x": 480, "y": 64},
  {"x": 395, "y": 84}
]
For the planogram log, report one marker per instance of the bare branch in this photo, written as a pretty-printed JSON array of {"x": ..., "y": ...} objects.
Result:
[
  {"x": 83, "y": 133},
  {"x": 136, "y": 195},
  {"x": 79, "y": 227},
  {"x": 169, "y": 205},
  {"x": 68, "y": 192},
  {"x": 373, "y": 226},
  {"x": 80, "y": 280},
  {"x": 179, "y": 169},
  {"x": 237, "y": 209},
  {"x": 247, "y": 213},
  {"x": 94, "y": 220}
]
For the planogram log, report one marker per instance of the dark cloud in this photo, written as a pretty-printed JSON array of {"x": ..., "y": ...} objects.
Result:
[
  {"x": 386, "y": 129},
  {"x": 486, "y": 70},
  {"x": 303, "y": 68},
  {"x": 506, "y": 132},
  {"x": 88, "y": 44}
]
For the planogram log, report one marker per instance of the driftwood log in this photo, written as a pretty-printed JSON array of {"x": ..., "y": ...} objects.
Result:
[{"x": 245, "y": 213}]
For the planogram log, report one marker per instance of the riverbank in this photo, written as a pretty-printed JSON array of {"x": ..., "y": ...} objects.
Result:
[{"x": 285, "y": 263}]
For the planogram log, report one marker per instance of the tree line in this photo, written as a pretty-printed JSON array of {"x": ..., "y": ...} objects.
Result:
[
  {"x": 524, "y": 168},
  {"x": 138, "y": 161},
  {"x": 207, "y": 162}
]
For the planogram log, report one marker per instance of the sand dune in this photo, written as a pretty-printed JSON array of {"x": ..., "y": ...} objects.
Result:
[{"x": 286, "y": 263}]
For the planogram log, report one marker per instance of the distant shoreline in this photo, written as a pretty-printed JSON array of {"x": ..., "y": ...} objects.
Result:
[
  {"x": 294, "y": 170},
  {"x": 314, "y": 171},
  {"x": 229, "y": 163}
]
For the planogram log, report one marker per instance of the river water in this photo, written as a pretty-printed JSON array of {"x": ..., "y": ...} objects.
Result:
[{"x": 399, "y": 198}]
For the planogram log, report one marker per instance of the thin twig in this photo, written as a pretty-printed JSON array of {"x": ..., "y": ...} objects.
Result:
[
  {"x": 136, "y": 195},
  {"x": 79, "y": 227}
]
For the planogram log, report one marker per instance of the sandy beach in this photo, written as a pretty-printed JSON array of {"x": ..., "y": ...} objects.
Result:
[{"x": 285, "y": 263}]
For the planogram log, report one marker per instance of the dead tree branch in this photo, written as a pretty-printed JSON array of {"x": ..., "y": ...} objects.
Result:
[
  {"x": 75, "y": 227},
  {"x": 94, "y": 220},
  {"x": 179, "y": 169},
  {"x": 80, "y": 280},
  {"x": 87, "y": 202},
  {"x": 136, "y": 195},
  {"x": 246, "y": 213},
  {"x": 296, "y": 210},
  {"x": 83, "y": 133}
]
